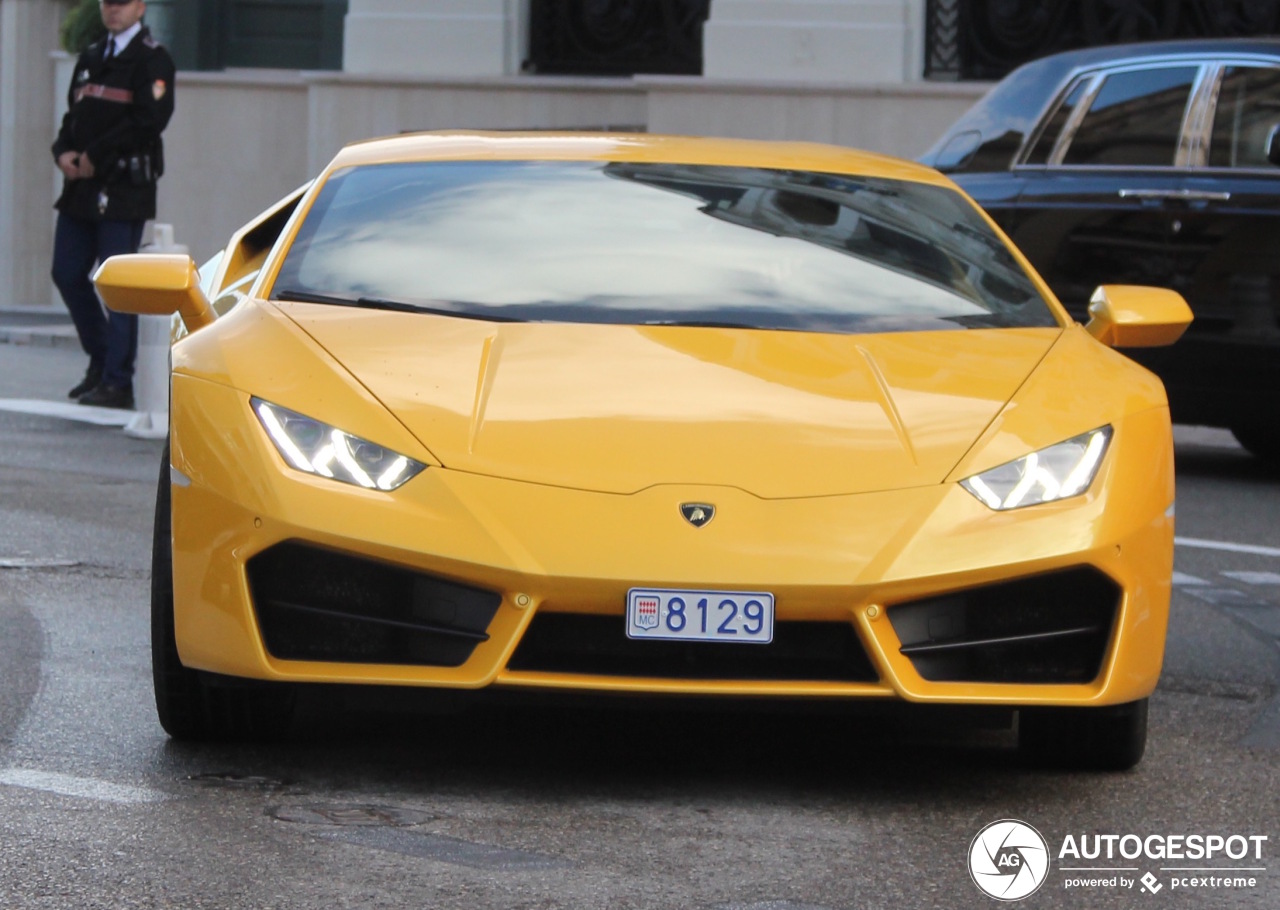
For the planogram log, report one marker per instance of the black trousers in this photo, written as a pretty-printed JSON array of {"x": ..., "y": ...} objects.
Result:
[{"x": 110, "y": 339}]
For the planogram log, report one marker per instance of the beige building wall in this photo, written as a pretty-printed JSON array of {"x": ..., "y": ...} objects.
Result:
[
  {"x": 28, "y": 101},
  {"x": 346, "y": 107},
  {"x": 451, "y": 38},
  {"x": 237, "y": 143},
  {"x": 902, "y": 119},
  {"x": 826, "y": 42}
]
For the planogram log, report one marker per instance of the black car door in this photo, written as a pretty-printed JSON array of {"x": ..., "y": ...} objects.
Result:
[
  {"x": 1228, "y": 234},
  {"x": 1101, "y": 186}
]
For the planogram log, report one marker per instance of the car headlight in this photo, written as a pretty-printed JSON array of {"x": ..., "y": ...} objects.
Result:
[
  {"x": 1057, "y": 472},
  {"x": 318, "y": 448}
]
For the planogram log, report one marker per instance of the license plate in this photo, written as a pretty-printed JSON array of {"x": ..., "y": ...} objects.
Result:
[{"x": 742, "y": 616}]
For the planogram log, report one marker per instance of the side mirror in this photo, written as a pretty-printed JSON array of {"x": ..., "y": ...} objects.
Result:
[
  {"x": 1132, "y": 316},
  {"x": 154, "y": 284}
]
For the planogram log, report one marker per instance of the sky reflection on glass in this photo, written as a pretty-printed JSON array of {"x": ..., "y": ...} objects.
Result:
[{"x": 593, "y": 242}]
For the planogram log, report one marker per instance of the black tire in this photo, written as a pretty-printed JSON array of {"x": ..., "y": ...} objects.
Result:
[
  {"x": 1261, "y": 440},
  {"x": 192, "y": 705},
  {"x": 1112, "y": 738}
]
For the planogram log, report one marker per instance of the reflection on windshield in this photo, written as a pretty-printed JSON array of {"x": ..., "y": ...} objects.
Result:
[{"x": 642, "y": 243}]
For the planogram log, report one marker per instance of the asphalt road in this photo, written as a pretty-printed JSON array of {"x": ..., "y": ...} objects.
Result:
[{"x": 552, "y": 808}]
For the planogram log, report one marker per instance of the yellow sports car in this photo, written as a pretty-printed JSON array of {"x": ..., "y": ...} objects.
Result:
[{"x": 654, "y": 415}]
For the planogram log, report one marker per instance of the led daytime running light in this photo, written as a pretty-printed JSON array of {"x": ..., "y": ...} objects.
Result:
[
  {"x": 1057, "y": 472},
  {"x": 317, "y": 448}
]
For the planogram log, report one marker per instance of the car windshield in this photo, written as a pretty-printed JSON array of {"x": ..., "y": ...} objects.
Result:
[{"x": 656, "y": 244}]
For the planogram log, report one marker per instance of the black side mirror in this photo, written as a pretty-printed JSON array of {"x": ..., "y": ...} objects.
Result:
[{"x": 1273, "y": 145}]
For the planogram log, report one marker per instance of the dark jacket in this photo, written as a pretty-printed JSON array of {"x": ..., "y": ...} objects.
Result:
[{"x": 116, "y": 110}]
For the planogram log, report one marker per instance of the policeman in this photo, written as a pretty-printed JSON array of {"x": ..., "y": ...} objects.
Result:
[{"x": 110, "y": 155}]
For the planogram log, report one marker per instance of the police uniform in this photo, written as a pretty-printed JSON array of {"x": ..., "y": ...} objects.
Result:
[{"x": 117, "y": 107}]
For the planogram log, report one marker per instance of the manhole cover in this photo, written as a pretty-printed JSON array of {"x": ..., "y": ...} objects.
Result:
[{"x": 360, "y": 816}]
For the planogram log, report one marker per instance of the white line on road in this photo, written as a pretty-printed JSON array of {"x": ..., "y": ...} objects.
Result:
[
  {"x": 32, "y": 562},
  {"x": 86, "y": 787},
  {"x": 104, "y": 417},
  {"x": 1254, "y": 549},
  {"x": 1255, "y": 578}
]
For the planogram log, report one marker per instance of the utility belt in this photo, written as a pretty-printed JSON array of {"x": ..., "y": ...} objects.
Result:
[{"x": 142, "y": 169}]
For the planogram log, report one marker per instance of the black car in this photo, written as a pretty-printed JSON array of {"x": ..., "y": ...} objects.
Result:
[{"x": 1150, "y": 164}]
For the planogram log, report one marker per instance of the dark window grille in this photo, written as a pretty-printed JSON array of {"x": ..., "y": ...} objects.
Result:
[
  {"x": 986, "y": 39},
  {"x": 279, "y": 34},
  {"x": 616, "y": 37}
]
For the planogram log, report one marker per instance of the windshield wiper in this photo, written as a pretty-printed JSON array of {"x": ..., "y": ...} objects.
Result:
[
  {"x": 382, "y": 303},
  {"x": 294, "y": 296}
]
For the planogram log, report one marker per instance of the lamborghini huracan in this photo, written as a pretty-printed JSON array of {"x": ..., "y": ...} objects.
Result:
[{"x": 659, "y": 416}]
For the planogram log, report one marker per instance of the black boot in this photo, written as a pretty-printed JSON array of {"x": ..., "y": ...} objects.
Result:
[
  {"x": 109, "y": 396},
  {"x": 92, "y": 377}
]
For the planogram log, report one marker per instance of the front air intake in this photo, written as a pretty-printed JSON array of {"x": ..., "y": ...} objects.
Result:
[
  {"x": 315, "y": 604},
  {"x": 1051, "y": 628},
  {"x": 599, "y": 646}
]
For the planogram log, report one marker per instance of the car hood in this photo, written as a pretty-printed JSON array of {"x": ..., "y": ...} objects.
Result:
[{"x": 620, "y": 408}]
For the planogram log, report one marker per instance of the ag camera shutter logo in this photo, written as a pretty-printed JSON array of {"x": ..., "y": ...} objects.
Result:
[{"x": 1008, "y": 860}]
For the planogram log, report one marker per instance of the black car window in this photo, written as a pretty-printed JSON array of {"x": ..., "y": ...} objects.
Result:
[
  {"x": 1135, "y": 119},
  {"x": 655, "y": 243},
  {"x": 1053, "y": 126},
  {"x": 1248, "y": 111}
]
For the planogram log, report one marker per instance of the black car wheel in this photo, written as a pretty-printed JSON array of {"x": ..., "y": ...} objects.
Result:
[
  {"x": 1112, "y": 738},
  {"x": 1261, "y": 439},
  {"x": 193, "y": 705}
]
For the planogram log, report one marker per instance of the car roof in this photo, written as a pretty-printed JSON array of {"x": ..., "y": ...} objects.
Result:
[
  {"x": 1199, "y": 47},
  {"x": 457, "y": 145},
  {"x": 1006, "y": 114}
]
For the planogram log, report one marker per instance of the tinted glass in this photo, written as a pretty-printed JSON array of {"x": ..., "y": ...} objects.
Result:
[
  {"x": 641, "y": 243},
  {"x": 1135, "y": 119},
  {"x": 1248, "y": 110},
  {"x": 1053, "y": 127}
]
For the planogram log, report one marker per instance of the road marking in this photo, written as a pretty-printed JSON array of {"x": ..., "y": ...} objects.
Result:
[
  {"x": 1255, "y": 578},
  {"x": 1181, "y": 579},
  {"x": 85, "y": 787},
  {"x": 1223, "y": 597},
  {"x": 32, "y": 562},
  {"x": 103, "y": 417},
  {"x": 1200, "y": 544}
]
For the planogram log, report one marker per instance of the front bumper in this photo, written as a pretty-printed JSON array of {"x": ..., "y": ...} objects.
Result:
[{"x": 570, "y": 556}]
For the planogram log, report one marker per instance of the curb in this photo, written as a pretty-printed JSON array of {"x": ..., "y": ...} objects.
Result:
[{"x": 41, "y": 336}]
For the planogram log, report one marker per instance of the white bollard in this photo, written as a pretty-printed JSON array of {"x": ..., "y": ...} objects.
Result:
[{"x": 151, "y": 367}]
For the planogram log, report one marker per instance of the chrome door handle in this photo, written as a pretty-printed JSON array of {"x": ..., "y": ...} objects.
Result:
[{"x": 1182, "y": 195}]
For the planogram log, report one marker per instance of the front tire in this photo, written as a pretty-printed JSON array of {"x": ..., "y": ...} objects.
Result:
[
  {"x": 188, "y": 705},
  {"x": 1111, "y": 738},
  {"x": 1260, "y": 439}
]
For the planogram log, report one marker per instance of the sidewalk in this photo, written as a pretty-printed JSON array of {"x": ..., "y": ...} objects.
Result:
[
  {"x": 45, "y": 326},
  {"x": 40, "y": 358}
]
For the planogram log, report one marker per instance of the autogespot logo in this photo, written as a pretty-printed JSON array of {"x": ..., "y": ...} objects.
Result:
[{"x": 1009, "y": 860}]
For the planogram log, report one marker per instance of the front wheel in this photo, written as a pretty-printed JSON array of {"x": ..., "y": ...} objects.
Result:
[
  {"x": 1261, "y": 439},
  {"x": 1110, "y": 738},
  {"x": 189, "y": 705}
]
